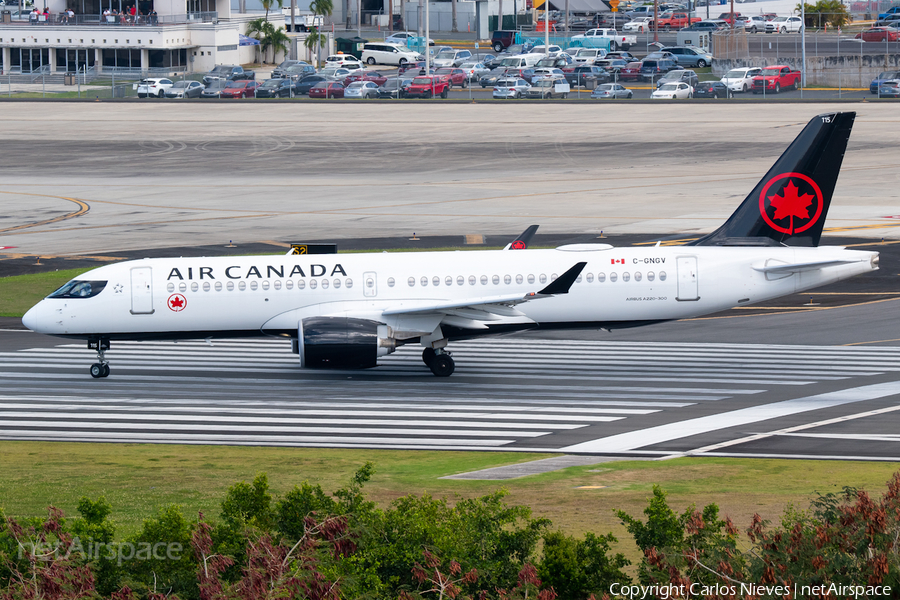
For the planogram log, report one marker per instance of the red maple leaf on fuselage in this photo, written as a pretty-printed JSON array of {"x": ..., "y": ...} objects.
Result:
[
  {"x": 790, "y": 204},
  {"x": 177, "y": 303}
]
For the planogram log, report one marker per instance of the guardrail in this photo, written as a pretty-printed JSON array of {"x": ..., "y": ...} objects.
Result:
[{"x": 121, "y": 20}]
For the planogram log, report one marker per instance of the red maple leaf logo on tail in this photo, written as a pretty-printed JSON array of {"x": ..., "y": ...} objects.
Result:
[{"x": 790, "y": 204}]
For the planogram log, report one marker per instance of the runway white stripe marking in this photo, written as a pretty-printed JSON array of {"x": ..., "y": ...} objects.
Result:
[
  {"x": 257, "y": 429},
  {"x": 655, "y": 435},
  {"x": 475, "y": 411},
  {"x": 792, "y": 430},
  {"x": 867, "y": 437}
]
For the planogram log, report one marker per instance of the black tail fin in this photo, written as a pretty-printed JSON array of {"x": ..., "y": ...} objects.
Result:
[
  {"x": 521, "y": 242},
  {"x": 788, "y": 205}
]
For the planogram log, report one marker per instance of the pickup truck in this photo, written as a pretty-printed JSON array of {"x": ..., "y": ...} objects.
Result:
[
  {"x": 228, "y": 73},
  {"x": 892, "y": 11},
  {"x": 427, "y": 86},
  {"x": 616, "y": 40},
  {"x": 776, "y": 78},
  {"x": 675, "y": 20}
]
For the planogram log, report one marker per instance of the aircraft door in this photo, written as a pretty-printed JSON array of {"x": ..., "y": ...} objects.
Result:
[
  {"x": 370, "y": 284},
  {"x": 142, "y": 291},
  {"x": 687, "y": 278}
]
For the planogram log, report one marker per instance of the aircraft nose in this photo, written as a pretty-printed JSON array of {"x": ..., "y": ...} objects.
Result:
[{"x": 32, "y": 319}]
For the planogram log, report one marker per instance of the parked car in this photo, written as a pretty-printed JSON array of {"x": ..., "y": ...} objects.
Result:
[
  {"x": 228, "y": 73},
  {"x": 335, "y": 73},
  {"x": 214, "y": 89},
  {"x": 543, "y": 72},
  {"x": 185, "y": 89},
  {"x": 403, "y": 37},
  {"x": 153, "y": 87},
  {"x": 586, "y": 75},
  {"x": 298, "y": 72},
  {"x": 882, "y": 77},
  {"x": 589, "y": 56},
  {"x": 613, "y": 66},
  {"x": 784, "y": 25},
  {"x": 375, "y": 76},
  {"x": 474, "y": 70},
  {"x": 728, "y": 17},
  {"x": 524, "y": 73},
  {"x": 327, "y": 89},
  {"x": 503, "y": 39},
  {"x": 395, "y": 87},
  {"x": 389, "y": 54},
  {"x": 547, "y": 87},
  {"x": 279, "y": 71},
  {"x": 890, "y": 89},
  {"x": 687, "y": 76},
  {"x": 690, "y": 56},
  {"x": 712, "y": 89},
  {"x": 451, "y": 58},
  {"x": 756, "y": 23},
  {"x": 277, "y": 88},
  {"x": 673, "y": 91},
  {"x": 889, "y": 21},
  {"x": 427, "y": 86},
  {"x": 361, "y": 89},
  {"x": 708, "y": 25},
  {"x": 511, "y": 88},
  {"x": 879, "y": 34},
  {"x": 631, "y": 72},
  {"x": 551, "y": 50},
  {"x": 624, "y": 55},
  {"x": 490, "y": 78},
  {"x": 740, "y": 79},
  {"x": 309, "y": 82},
  {"x": 611, "y": 91},
  {"x": 652, "y": 69},
  {"x": 675, "y": 20},
  {"x": 244, "y": 88},
  {"x": 456, "y": 76},
  {"x": 559, "y": 61},
  {"x": 891, "y": 11},
  {"x": 638, "y": 25},
  {"x": 776, "y": 78}
]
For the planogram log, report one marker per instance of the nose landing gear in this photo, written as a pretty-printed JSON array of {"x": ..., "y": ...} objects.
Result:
[{"x": 101, "y": 368}]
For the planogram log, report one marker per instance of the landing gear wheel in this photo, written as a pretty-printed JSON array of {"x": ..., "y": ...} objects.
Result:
[
  {"x": 428, "y": 355},
  {"x": 442, "y": 365},
  {"x": 99, "y": 370}
]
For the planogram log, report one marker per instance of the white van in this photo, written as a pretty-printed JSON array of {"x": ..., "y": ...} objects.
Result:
[
  {"x": 348, "y": 61},
  {"x": 388, "y": 54},
  {"x": 522, "y": 61}
]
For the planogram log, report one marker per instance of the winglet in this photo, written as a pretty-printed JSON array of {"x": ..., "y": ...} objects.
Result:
[
  {"x": 521, "y": 242},
  {"x": 562, "y": 283}
]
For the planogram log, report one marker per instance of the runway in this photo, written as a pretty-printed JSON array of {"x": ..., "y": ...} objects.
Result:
[{"x": 591, "y": 396}]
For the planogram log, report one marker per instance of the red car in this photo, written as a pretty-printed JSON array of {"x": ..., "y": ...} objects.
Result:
[
  {"x": 240, "y": 89},
  {"x": 327, "y": 89},
  {"x": 426, "y": 86},
  {"x": 879, "y": 34},
  {"x": 456, "y": 76},
  {"x": 776, "y": 78},
  {"x": 375, "y": 76},
  {"x": 631, "y": 72}
]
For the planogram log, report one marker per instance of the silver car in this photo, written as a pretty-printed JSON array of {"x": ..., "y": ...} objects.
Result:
[
  {"x": 474, "y": 70},
  {"x": 511, "y": 88},
  {"x": 361, "y": 89},
  {"x": 690, "y": 56},
  {"x": 611, "y": 90}
]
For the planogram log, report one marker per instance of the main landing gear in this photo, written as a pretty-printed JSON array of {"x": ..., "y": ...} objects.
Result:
[
  {"x": 439, "y": 361},
  {"x": 101, "y": 368}
]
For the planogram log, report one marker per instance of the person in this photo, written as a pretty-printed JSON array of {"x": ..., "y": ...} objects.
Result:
[
  {"x": 33, "y": 17},
  {"x": 154, "y": 19},
  {"x": 70, "y": 15}
]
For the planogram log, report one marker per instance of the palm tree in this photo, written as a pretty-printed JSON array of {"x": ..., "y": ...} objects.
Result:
[
  {"x": 257, "y": 28},
  {"x": 279, "y": 40},
  {"x": 268, "y": 4},
  {"x": 314, "y": 39}
]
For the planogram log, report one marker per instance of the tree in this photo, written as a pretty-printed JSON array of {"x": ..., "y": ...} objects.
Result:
[
  {"x": 258, "y": 28},
  {"x": 268, "y": 37},
  {"x": 268, "y": 4},
  {"x": 315, "y": 39},
  {"x": 575, "y": 569},
  {"x": 453, "y": 26}
]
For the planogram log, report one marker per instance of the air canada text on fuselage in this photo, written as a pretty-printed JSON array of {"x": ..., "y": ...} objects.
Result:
[{"x": 259, "y": 272}]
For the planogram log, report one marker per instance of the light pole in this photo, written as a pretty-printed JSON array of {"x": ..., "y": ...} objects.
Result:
[{"x": 803, "y": 43}]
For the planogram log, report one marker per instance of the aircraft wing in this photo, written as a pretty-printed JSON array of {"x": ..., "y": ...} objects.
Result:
[
  {"x": 800, "y": 267},
  {"x": 471, "y": 312}
]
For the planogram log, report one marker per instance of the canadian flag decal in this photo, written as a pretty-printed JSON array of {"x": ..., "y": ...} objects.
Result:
[{"x": 617, "y": 261}]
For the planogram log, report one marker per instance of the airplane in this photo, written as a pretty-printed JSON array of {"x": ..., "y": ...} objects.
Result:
[{"x": 344, "y": 311}]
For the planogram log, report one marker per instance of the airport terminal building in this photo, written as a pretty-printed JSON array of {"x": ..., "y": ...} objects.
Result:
[{"x": 125, "y": 36}]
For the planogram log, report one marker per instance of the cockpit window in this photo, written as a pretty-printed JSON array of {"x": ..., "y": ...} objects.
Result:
[{"x": 79, "y": 289}]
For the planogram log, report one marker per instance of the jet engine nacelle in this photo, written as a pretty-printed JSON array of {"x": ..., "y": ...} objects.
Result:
[{"x": 342, "y": 342}]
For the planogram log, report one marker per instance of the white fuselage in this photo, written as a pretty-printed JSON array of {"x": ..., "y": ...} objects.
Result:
[{"x": 258, "y": 295}]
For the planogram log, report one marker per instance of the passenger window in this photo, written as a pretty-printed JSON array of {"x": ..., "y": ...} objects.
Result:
[
  {"x": 484, "y": 280},
  {"x": 530, "y": 278},
  {"x": 460, "y": 280},
  {"x": 277, "y": 284},
  {"x": 349, "y": 283},
  {"x": 424, "y": 281},
  {"x": 578, "y": 279},
  {"x": 542, "y": 278},
  {"x": 253, "y": 285},
  {"x": 301, "y": 283},
  {"x": 471, "y": 280},
  {"x": 390, "y": 282},
  {"x": 662, "y": 275},
  {"x": 170, "y": 287},
  {"x": 626, "y": 276},
  {"x": 288, "y": 285},
  {"x": 553, "y": 277},
  {"x": 336, "y": 283},
  {"x": 637, "y": 276},
  {"x": 448, "y": 280},
  {"x": 205, "y": 286},
  {"x": 613, "y": 277},
  {"x": 519, "y": 279},
  {"x": 218, "y": 286},
  {"x": 507, "y": 279},
  {"x": 495, "y": 279},
  {"x": 589, "y": 277},
  {"x": 312, "y": 284},
  {"x": 411, "y": 281},
  {"x": 182, "y": 287},
  {"x": 229, "y": 286},
  {"x": 436, "y": 281},
  {"x": 265, "y": 285}
]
